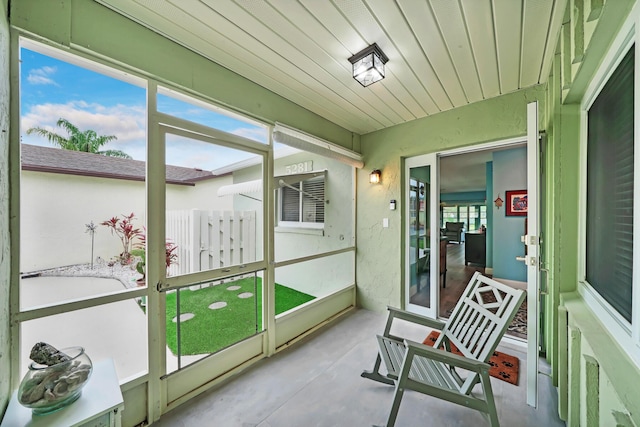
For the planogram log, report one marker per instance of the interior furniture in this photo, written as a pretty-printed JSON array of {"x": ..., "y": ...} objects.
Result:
[
  {"x": 475, "y": 248},
  {"x": 477, "y": 323},
  {"x": 100, "y": 404},
  {"x": 454, "y": 231}
]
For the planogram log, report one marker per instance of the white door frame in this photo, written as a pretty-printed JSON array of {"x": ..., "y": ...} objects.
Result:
[
  {"x": 532, "y": 259},
  {"x": 430, "y": 160}
]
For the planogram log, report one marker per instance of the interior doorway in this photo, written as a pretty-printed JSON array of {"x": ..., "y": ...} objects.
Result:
[{"x": 472, "y": 195}]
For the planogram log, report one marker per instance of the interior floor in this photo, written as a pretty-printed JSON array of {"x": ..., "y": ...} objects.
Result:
[
  {"x": 316, "y": 382},
  {"x": 458, "y": 275}
]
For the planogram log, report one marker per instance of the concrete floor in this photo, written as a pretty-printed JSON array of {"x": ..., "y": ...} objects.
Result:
[{"x": 316, "y": 382}]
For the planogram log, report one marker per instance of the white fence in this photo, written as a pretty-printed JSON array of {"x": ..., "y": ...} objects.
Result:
[{"x": 211, "y": 239}]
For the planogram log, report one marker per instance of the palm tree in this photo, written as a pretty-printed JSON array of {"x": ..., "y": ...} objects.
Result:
[{"x": 88, "y": 141}]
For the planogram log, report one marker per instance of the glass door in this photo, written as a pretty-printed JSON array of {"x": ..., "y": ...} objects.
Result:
[
  {"x": 207, "y": 253},
  {"x": 422, "y": 249}
]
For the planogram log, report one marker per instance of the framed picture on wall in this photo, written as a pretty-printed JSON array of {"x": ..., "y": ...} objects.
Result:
[{"x": 516, "y": 203}]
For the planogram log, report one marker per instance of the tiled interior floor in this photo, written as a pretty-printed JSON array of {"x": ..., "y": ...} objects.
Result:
[{"x": 316, "y": 382}]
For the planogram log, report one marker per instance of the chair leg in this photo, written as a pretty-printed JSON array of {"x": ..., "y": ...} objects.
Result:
[
  {"x": 397, "y": 398},
  {"x": 375, "y": 375},
  {"x": 488, "y": 396}
]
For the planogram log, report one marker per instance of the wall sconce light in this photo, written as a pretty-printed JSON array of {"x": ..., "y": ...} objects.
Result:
[
  {"x": 368, "y": 65},
  {"x": 374, "y": 177}
]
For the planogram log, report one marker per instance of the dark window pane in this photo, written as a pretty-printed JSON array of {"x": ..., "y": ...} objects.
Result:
[
  {"x": 291, "y": 203},
  {"x": 609, "y": 257}
]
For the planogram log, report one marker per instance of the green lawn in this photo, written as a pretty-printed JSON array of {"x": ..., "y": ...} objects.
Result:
[{"x": 212, "y": 330}]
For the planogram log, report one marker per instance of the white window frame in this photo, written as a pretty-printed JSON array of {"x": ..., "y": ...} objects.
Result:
[
  {"x": 627, "y": 334},
  {"x": 301, "y": 224}
]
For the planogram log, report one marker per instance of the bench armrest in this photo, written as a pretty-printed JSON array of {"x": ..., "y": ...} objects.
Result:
[{"x": 396, "y": 313}]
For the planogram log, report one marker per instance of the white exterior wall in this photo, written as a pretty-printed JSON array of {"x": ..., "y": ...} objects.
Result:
[
  {"x": 244, "y": 203},
  {"x": 322, "y": 276},
  {"x": 204, "y": 195},
  {"x": 55, "y": 209}
]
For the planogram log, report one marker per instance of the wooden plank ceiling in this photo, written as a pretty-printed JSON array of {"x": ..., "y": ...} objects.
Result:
[{"x": 442, "y": 54}]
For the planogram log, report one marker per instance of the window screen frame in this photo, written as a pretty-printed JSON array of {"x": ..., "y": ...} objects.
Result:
[
  {"x": 607, "y": 264},
  {"x": 626, "y": 333}
]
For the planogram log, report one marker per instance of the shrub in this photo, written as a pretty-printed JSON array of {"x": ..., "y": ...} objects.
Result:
[
  {"x": 171, "y": 257},
  {"x": 124, "y": 229}
]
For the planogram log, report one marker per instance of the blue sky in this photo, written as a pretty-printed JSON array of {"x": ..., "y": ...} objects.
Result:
[{"x": 53, "y": 89}]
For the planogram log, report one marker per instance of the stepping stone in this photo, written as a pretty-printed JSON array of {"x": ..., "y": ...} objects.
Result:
[
  {"x": 245, "y": 295},
  {"x": 233, "y": 288},
  {"x": 183, "y": 317},
  {"x": 217, "y": 305}
]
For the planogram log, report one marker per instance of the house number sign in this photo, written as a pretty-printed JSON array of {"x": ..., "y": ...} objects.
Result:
[{"x": 299, "y": 167}]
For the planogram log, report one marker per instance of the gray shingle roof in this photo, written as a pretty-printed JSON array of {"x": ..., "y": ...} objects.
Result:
[{"x": 56, "y": 160}]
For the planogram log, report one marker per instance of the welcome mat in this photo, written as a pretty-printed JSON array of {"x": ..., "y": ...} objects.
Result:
[{"x": 503, "y": 366}]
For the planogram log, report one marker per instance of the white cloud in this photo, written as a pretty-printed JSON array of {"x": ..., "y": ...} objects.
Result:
[
  {"x": 126, "y": 122},
  {"x": 41, "y": 76},
  {"x": 256, "y": 134},
  {"x": 190, "y": 153}
]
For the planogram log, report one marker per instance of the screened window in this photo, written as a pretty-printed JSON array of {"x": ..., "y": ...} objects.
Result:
[
  {"x": 609, "y": 204},
  {"x": 303, "y": 202}
]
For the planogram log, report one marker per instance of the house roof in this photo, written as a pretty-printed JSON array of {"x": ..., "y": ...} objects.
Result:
[{"x": 56, "y": 160}]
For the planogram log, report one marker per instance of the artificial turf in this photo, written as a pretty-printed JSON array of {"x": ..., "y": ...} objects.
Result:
[{"x": 212, "y": 330}]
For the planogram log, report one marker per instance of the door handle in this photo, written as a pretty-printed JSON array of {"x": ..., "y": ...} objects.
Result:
[{"x": 529, "y": 260}]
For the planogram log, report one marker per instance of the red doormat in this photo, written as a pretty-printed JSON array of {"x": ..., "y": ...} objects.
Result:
[{"x": 503, "y": 366}]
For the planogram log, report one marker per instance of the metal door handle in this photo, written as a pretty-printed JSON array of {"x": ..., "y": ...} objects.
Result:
[{"x": 529, "y": 260}]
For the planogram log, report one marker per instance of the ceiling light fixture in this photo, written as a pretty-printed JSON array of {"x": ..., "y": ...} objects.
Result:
[{"x": 368, "y": 65}]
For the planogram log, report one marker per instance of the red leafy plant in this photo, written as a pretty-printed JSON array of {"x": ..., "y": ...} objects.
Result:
[
  {"x": 171, "y": 257},
  {"x": 126, "y": 232}
]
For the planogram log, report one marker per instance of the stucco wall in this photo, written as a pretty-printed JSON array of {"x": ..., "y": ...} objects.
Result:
[
  {"x": 55, "y": 209},
  {"x": 322, "y": 276},
  {"x": 598, "y": 383},
  {"x": 5, "y": 374},
  {"x": 379, "y": 263}
]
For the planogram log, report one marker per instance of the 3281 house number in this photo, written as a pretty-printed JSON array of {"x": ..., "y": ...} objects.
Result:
[{"x": 299, "y": 167}]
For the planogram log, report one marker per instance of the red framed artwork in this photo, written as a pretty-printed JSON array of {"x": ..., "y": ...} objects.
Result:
[{"x": 516, "y": 203}]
